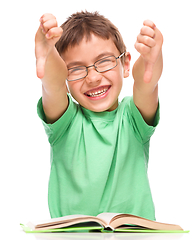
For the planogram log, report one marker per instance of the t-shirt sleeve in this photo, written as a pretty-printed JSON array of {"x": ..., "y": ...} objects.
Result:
[
  {"x": 142, "y": 130},
  {"x": 56, "y": 130}
]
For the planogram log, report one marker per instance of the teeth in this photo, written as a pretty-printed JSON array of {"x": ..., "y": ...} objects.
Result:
[{"x": 97, "y": 93}]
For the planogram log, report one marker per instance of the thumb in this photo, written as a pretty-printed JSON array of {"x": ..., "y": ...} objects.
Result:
[
  {"x": 148, "y": 72},
  {"x": 40, "y": 64}
]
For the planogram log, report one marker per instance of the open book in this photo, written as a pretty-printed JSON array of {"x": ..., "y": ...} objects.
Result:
[{"x": 104, "y": 222}]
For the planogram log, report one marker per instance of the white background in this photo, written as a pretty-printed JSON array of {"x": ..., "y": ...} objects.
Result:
[{"x": 25, "y": 160}]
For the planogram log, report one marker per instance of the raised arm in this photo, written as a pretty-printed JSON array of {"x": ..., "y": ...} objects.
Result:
[
  {"x": 147, "y": 70},
  {"x": 51, "y": 68}
]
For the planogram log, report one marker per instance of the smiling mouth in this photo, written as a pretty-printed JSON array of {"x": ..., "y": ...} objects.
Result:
[{"x": 97, "y": 92}]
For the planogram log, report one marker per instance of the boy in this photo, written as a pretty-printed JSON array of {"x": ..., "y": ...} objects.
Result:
[{"x": 99, "y": 147}]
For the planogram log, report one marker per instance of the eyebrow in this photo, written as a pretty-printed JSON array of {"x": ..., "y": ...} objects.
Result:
[
  {"x": 79, "y": 63},
  {"x": 74, "y": 64},
  {"x": 105, "y": 54}
]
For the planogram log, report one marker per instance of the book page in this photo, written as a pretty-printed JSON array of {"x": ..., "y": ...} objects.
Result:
[
  {"x": 107, "y": 217},
  {"x": 56, "y": 220}
]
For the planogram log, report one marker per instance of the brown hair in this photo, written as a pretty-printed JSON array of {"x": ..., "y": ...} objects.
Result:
[{"x": 83, "y": 24}]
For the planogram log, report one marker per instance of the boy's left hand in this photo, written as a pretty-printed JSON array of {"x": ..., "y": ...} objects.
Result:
[{"x": 149, "y": 45}]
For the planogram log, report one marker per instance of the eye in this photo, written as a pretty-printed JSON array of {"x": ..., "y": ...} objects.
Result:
[
  {"x": 104, "y": 61},
  {"x": 106, "y": 64},
  {"x": 107, "y": 61},
  {"x": 76, "y": 70}
]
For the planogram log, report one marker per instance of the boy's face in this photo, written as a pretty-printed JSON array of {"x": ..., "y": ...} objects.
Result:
[{"x": 97, "y": 92}]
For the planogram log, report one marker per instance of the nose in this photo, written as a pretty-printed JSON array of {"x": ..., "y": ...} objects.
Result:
[{"x": 93, "y": 77}]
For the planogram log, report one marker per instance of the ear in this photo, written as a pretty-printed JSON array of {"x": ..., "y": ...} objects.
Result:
[{"x": 126, "y": 65}]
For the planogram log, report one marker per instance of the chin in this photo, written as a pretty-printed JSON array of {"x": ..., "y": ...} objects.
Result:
[
  {"x": 101, "y": 108},
  {"x": 100, "y": 105},
  {"x": 96, "y": 109}
]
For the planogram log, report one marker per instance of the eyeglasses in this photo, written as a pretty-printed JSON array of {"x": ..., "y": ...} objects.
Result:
[{"x": 102, "y": 65}]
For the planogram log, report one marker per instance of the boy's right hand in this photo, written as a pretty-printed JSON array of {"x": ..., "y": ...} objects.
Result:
[{"x": 46, "y": 37}]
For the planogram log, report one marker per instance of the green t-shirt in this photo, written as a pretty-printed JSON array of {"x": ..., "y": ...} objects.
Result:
[{"x": 99, "y": 161}]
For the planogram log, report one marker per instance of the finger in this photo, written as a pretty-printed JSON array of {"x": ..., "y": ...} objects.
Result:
[
  {"x": 148, "y": 31},
  {"x": 149, "y": 23},
  {"x": 54, "y": 33},
  {"x": 142, "y": 48},
  {"x": 148, "y": 41},
  {"x": 148, "y": 72},
  {"x": 46, "y": 26},
  {"x": 40, "y": 64},
  {"x": 47, "y": 16}
]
